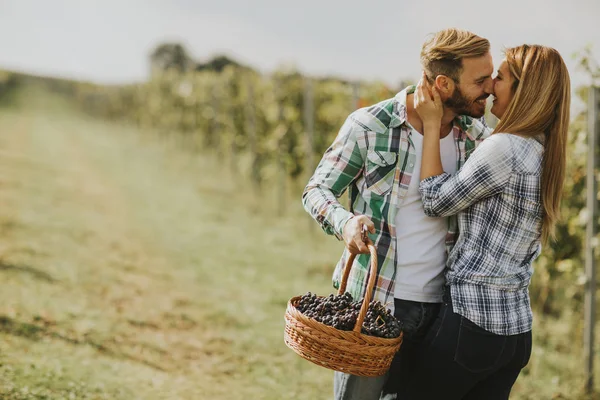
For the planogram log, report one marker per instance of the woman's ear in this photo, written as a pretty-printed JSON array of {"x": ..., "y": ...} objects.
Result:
[{"x": 444, "y": 85}]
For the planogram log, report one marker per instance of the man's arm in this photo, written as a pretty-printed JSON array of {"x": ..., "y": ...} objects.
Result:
[{"x": 341, "y": 165}]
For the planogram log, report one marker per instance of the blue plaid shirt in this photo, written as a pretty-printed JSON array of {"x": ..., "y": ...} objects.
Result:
[{"x": 497, "y": 197}]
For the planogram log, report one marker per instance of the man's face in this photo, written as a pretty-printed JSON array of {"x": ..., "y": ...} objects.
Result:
[{"x": 474, "y": 87}]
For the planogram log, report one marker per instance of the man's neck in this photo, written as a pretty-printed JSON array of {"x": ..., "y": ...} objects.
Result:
[{"x": 417, "y": 123}]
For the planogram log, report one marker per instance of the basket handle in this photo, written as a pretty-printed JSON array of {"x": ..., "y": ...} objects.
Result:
[{"x": 370, "y": 284}]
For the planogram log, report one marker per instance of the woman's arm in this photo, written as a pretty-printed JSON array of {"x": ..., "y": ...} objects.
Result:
[
  {"x": 486, "y": 173},
  {"x": 429, "y": 106}
]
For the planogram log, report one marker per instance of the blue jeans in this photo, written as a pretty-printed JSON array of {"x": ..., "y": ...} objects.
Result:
[{"x": 416, "y": 318}]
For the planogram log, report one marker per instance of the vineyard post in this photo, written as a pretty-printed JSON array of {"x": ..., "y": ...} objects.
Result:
[
  {"x": 213, "y": 136},
  {"x": 309, "y": 124},
  {"x": 200, "y": 127},
  {"x": 251, "y": 125},
  {"x": 139, "y": 96},
  {"x": 231, "y": 102},
  {"x": 309, "y": 128},
  {"x": 279, "y": 96},
  {"x": 194, "y": 110},
  {"x": 592, "y": 206},
  {"x": 355, "y": 95}
]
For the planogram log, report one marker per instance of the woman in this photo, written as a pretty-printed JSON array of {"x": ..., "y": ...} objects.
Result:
[{"x": 507, "y": 197}]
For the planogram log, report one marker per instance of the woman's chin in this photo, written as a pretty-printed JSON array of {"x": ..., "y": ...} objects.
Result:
[{"x": 495, "y": 113}]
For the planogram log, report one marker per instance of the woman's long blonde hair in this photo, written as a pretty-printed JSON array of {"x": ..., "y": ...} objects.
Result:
[{"x": 541, "y": 104}]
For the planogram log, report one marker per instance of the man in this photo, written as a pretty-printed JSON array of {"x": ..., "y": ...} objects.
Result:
[{"x": 377, "y": 156}]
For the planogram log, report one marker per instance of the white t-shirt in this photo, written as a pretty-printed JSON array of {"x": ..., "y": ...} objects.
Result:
[{"x": 421, "y": 252}]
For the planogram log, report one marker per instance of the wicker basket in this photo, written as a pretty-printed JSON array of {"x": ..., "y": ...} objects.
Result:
[{"x": 345, "y": 351}]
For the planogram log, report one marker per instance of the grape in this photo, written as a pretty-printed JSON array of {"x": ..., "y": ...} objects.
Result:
[{"x": 341, "y": 312}]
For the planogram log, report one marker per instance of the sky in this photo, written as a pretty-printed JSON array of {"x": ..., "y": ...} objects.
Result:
[{"x": 108, "y": 41}]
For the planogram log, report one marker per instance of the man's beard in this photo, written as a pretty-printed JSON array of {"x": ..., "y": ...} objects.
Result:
[{"x": 461, "y": 105}]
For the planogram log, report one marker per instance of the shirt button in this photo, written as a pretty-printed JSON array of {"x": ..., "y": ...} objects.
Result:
[{"x": 412, "y": 165}]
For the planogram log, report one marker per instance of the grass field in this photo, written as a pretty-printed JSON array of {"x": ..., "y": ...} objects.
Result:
[{"x": 131, "y": 268}]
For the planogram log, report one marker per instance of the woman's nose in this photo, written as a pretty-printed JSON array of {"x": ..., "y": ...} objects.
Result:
[{"x": 492, "y": 86}]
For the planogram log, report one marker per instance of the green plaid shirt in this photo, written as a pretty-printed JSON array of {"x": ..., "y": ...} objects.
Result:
[{"x": 373, "y": 156}]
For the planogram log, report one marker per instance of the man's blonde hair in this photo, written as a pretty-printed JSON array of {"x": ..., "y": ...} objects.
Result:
[{"x": 442, "y": 54}]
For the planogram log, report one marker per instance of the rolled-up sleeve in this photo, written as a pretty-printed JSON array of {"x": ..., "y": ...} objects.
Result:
[
  {"x": 485, "y": 174},
  {"x": 341, "y": 165}
]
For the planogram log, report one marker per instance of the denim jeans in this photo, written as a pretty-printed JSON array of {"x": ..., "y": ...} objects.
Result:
[
  {"x": 460, "y": 360},
  {"x": 416, "y": 320}
]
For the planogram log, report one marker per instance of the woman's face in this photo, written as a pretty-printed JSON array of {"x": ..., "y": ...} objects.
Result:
[{"x": 503, "y": 92}]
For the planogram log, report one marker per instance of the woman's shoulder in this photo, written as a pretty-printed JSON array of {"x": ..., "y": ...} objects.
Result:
[
  {"x": 505, "y": 136},
  {"x": 507, "y": 141},
  {"x": 498, "y": 142},
  {"x": 525, "y": 151}
]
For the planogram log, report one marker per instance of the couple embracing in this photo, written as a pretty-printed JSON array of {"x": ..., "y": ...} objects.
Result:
[{"x": 457, "y": 212}]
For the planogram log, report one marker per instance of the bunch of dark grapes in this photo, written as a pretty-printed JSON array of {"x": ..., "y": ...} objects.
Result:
[
  {"x": 380, "y": 322},
  {"x": 341, "y": 312}
]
